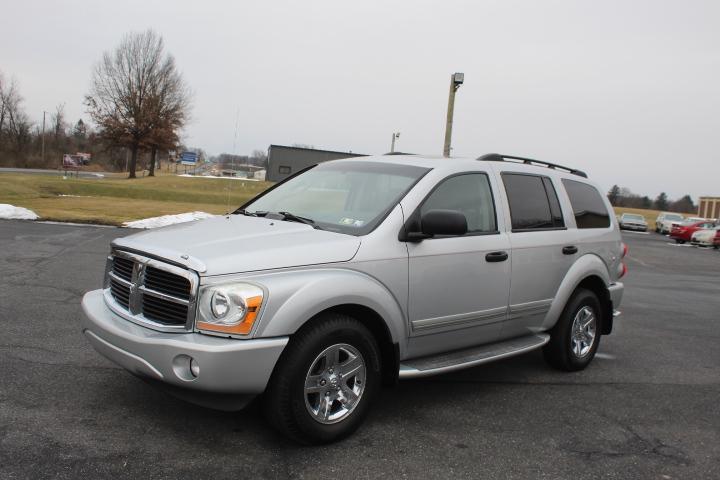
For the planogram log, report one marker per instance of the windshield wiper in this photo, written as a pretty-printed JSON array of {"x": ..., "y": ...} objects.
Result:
[
  {"x": 245, "y": 212},
  {"x": 259, "y": 213},
  {"x": 295, "y": 218}
]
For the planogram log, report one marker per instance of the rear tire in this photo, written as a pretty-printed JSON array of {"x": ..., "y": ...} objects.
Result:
[
  {"x": 677, "y": 240},
  {"x": 575, "y": 338},
  {"x": 325, "y": 381}
]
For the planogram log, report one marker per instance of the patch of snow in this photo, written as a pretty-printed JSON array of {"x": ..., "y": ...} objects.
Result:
[
  {"x": 99, "y": 175},
  {"x": 12, "y": 212},
  {"x": 73, "y": 196},
  {"x": 165, "y": 220},
  {"x": 215, "y": 176}
]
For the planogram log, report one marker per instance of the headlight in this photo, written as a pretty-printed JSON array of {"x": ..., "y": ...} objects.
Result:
[{"x": 229, "y": 308}]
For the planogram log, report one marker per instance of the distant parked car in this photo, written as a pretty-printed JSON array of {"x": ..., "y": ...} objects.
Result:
[
  {"x": 683, "y": 233},
  {"x": 705, "y": 237},
  {"x": 716, "y": 241},
  {"x": 633, "y": 221},
  {"x": 665, "y": 221}
]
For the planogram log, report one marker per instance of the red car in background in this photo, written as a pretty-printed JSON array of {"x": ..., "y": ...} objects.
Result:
[
  {"x": 683, "y": 233},
  {"x": 716, "y": 241}
]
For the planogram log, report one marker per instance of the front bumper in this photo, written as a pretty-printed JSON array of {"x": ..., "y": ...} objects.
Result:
[
  {"x": 227, "y": 366},
  {"x": 635, "y": 227}
]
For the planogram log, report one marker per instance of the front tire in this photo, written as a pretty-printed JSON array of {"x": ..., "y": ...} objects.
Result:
[
  {"x": 325, "y": 381},
  {"x": 575, "y": 338}
]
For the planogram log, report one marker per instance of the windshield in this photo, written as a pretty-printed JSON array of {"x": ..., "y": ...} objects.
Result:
[
  {"x": 673, "y": 217},
  {"x": 631, "y": 216},
  {"x": 348, "y": 197}
]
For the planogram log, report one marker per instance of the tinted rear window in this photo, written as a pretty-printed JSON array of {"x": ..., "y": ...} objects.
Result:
[
  {"x": 587, "y": 204},
  {"x": 533, "y": 202}
]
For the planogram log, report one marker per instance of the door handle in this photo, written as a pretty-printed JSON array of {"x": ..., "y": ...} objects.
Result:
[
  {"x": 496, "y": 257},
  {"x": 570, "y": 250}
]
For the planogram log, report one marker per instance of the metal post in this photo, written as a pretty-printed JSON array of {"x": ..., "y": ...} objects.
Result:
[
  {"x": 392, "y": 145},
  {"x": 42, "y": 154},
  {"x": 456, "y": 79}
]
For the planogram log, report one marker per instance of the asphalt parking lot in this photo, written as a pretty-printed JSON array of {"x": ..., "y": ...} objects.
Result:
[{"x": 648, "y": 406}]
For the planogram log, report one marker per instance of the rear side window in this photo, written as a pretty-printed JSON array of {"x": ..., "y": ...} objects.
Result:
[
  {"x": 587, "y": 204},
  {"x": 533, "y": 202},
  {"x": 468, "y": 193}
]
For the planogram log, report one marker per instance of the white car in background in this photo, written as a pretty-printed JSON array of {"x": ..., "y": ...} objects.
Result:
[
  {"x": 665, "y": 222},
  {"x": 705, "y": 237}
]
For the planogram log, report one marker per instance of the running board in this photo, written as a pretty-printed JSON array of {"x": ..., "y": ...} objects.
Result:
[{"x": 470, "y": 357}]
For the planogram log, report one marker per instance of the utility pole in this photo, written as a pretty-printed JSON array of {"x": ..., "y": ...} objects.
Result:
[
  {"x": 456, "y": 79},
  {"x": 42, "y": 154},
  {"x": 392, "y": 145}
]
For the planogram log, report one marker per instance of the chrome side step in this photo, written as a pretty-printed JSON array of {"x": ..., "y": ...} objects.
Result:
[{"x": 470, "y": 357}]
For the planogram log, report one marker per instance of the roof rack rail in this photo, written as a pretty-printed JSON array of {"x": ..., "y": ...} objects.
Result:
[{"x": 497, "y": 157}]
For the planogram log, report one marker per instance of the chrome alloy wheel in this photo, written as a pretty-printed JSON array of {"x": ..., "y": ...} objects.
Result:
[
  {"x": 582, "y": 336},
  {"x": 335, "y": 383}
]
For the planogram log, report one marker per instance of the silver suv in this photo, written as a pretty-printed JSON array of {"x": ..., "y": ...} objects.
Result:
[{"x": 357, "y": 272}]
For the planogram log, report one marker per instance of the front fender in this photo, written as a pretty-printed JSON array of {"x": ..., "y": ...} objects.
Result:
[
  {"x": 297, "y": 296},
  {"x": 584, "y": 267}
]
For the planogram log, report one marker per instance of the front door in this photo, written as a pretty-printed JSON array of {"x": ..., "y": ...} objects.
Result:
[{"x": 458, "y": 285}]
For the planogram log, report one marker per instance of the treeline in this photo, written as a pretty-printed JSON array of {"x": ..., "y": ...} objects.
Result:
[
  {"x": 624, "y": 197},
  {"x": 24, "y": 144},
  {"x": 138, "y": 102}
]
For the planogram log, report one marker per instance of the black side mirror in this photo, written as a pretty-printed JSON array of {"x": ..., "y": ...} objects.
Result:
[{"x": 443, "y": 222}]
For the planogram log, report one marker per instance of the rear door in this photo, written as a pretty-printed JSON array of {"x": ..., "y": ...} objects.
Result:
[{"x": 543, "y": 249}]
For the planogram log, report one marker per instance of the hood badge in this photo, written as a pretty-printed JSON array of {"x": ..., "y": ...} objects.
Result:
[{"x": 184, "y": 257}]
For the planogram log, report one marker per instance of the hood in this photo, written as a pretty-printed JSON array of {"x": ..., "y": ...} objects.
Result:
[{"x": 237, "y": 244}]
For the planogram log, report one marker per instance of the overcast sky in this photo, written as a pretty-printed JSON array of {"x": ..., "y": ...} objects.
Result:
[{"x": 626, "y": 90}]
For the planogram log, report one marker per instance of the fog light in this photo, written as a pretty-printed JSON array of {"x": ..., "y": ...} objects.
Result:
[{"x": 194, "y": 368}]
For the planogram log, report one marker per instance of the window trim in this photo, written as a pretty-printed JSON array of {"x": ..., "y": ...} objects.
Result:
[
  {"x": 413, "y": 218},
  {"x": 545, "y": 229}
]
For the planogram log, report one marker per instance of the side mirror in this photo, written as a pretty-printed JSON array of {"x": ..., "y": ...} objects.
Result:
[{"x": 443, "y": 222}]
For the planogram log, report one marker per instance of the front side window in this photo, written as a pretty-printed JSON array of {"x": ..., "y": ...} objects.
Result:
[
  {"x": 533, "y": 202},
  {"x": 468, "y": 194},
  {"x": 587, "y": 204},
  {"x": 348, "y": 196}
]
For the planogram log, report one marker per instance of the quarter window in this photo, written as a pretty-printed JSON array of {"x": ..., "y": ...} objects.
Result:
[
  {"x": 587, "y": 204},
  {"x": 533, "y": 202},
  {"x": 469, "y": 194}
]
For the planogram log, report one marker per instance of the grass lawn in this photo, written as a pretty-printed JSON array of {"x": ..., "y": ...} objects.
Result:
[{"x": 113, "y": 200}]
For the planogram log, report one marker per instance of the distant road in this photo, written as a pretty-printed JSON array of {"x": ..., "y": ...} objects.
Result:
[{"x": 39, "y": 171}]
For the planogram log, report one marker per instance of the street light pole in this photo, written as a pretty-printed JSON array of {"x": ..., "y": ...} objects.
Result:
[
  {"x": 42, "y": 154},
  {"x": 392, "y": 145},
  {"x": 456, "y": 79}
]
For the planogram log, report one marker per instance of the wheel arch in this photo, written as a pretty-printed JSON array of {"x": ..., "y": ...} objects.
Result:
[
  {"x": 389, "y": 350},
  {"x": 589, "y": 272}
]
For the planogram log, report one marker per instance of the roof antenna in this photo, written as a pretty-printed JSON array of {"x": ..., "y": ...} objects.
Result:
[{"x": 232, "y": 161}]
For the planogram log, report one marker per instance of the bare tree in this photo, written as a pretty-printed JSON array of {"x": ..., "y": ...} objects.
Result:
[
  {"x": 137, "y": 93},
  {"x": 14, "y": 122}
]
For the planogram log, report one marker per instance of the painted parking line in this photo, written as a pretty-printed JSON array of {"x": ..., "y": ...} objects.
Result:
[
  {"x": 605, "y": 356},
  {"x": 636, "y": 233}
]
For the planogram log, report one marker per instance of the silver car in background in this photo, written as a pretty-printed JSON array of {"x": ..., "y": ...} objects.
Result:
[
  {"x": 355, "y": 273},
  {"x": 665, "y": 222},
  {"x": 632, "y": 221}
]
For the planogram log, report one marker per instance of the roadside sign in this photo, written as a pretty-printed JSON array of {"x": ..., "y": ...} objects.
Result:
[{"x": 188, "y": 158}]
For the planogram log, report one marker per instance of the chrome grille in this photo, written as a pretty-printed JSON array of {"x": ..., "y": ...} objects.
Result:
[{"x": 150, "y": 292}]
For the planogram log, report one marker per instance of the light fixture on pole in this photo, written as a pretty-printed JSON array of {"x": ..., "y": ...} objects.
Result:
[
  {"x": 392, "y": 145},
  {"x": 456, "y": 79}
]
